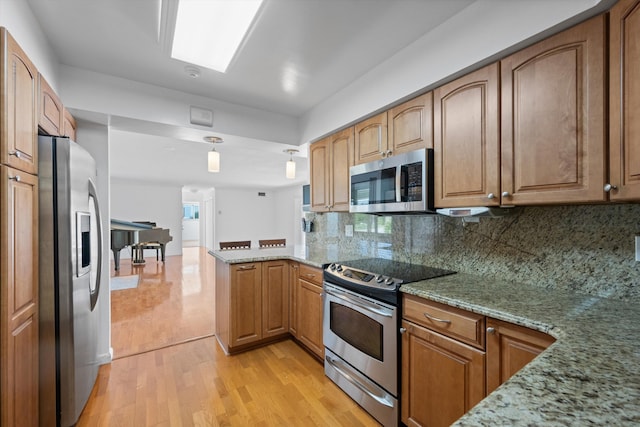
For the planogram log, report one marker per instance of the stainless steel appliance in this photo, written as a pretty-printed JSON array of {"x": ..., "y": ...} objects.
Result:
[
  {"x": 70, "y": 267},
  {"x": 396, "y": 184},
  {"x": 361, "y": 324}
]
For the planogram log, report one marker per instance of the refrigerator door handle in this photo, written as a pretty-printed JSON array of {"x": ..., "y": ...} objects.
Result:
[{"x": 93, "y": 194}]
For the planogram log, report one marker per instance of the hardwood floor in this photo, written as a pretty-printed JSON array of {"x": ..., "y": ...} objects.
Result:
[{"x": 194, "y": 383}]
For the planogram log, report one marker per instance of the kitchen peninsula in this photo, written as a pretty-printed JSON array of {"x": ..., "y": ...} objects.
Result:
[{"x": 590, "y": 375}]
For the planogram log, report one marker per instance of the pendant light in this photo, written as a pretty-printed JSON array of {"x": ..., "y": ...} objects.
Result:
[
  {"x": 213, "y": 158},
  {"x": 291, "y": 165}
]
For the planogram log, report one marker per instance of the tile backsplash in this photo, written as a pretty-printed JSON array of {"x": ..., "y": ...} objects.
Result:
[{"x": 588, "y": 249}]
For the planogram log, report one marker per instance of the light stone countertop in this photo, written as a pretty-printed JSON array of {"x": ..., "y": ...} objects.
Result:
[
  {"x": 589, "y": 376},
  {"x": 295, "y": 253}
]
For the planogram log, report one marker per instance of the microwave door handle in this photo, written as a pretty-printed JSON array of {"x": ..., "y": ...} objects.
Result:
[{"x": 398, "y": 182}]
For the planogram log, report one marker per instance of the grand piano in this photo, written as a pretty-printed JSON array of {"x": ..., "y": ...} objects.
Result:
[{"x": 140, "y": 235}]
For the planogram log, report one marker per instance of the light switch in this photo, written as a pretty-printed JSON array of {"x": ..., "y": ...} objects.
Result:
[{"x": 348, "y": 230}]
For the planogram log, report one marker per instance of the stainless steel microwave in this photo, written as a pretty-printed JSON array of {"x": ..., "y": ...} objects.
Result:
[{"x": 398, "y": 184}]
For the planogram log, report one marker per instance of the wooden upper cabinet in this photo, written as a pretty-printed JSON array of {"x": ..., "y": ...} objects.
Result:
[
  {"x": 624, "y": 96},
  {"x": 371, "y": 139},
  {"x": 69, "y": 125},
  {"x": 18, "y": 109},
  {"x": 509, "y": 348},
  {"x": 466, "y": 140},
  {"x": 411, "y": 125},
  {"x": 51, "y": 111},
  {"x": 553, "y": 136},
  {"x": 330, "y": 160}
]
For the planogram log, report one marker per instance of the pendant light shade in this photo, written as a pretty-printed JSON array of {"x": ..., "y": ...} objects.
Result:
[
  {"x": 291, "y": 165},
  {"x": 213, "y": 158}
]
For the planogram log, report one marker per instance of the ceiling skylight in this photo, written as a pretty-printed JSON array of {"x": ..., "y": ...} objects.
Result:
[{"x": 209, "y": 32}]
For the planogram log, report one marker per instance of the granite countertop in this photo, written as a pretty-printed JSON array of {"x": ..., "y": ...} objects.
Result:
[
  {"x": 295, "y": 253},
  {"x": 589, "y": 376}
]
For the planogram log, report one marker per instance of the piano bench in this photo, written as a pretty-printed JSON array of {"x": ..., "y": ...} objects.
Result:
[{"x": 144, "y": 246}]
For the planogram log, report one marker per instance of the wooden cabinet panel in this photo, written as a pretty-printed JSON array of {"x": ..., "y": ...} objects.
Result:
[
  {"x": 466, "y": 140},
  {"x": 441, "y": 378},
  {"x": 319, "y": 159},
  {"x": 330, "y": 160},
  {"x": 624, "y": 101},
  {"x": 293, "y": 298},
  {"x": 509, "y": 348},
  {"x": 69, "y": 125},
  {"x": 311, "y": 274},
  {"x": 371, "y": 139},
  {"x": 246, "y": 304},
  {"x": 411, "y": 125},
  {"x": 19, "y": 297},
  {"x": 553, "y": 143},
  {"x": 310, "y": 316},
  {"x": 18, "y": 109},
  {"x": 275, "y": 298},
  {"x": 51, "y": 111}
]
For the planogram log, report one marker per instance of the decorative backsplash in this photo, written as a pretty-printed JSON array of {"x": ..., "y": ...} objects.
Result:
[{"x": 588, "y": 249}]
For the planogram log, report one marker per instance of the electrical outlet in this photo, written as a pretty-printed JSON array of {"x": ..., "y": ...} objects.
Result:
[
  {"x": 348, "y": 230},
  {"x": 637, "y": 248}
]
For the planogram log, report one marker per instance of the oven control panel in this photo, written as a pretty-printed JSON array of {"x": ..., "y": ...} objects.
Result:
[{"x": 363, "y": 277}]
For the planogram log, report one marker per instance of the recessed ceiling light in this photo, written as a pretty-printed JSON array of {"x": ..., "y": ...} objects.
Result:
[{"x": 208, "y": 33}]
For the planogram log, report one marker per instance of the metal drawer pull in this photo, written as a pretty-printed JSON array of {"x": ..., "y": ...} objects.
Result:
[
  {"x": 364, "y": 304},
  {"x": 16, "y": 153},
  {"x": 15, "y": 178},
  {"x": 435, "y": 319},
  {"x": 378, "y": 395},
  {"x": 247, "y": 267}
]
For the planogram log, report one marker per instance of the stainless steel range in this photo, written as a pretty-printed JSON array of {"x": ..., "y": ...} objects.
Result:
[{"x": 361, "y": 324}]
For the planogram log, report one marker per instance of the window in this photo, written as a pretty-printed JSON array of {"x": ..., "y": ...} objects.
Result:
[{"x": 190, "y": 211}]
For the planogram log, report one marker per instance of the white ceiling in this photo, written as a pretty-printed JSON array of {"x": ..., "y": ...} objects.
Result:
[{"x": 299, "y": 53}]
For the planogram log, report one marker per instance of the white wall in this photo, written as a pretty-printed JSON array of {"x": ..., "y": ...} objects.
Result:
[
  {"x": 289, "y": 202},
  {"x": 142, "y": 201},
  {"x": 243, "y": 215}
]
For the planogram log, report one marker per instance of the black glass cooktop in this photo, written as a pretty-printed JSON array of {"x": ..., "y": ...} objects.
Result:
[{"x": 396, "y": 269}]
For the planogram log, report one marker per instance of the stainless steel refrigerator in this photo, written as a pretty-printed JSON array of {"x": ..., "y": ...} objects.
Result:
[{"x": 70, "y": 267}]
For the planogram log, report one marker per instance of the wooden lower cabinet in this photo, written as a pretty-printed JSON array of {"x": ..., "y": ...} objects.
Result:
[
  {"x": 441, "y": 377},
  {"x": 18, "y": 298},
  {"x": 309, "y": 310},
  {"x": 252, "y": 303},
  {"x": 509, "y": 348},
  {"x": 293, "y": 298}
]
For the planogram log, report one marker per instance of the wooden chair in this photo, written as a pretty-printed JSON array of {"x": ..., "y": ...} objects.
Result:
[
  {"x": 241, "y": 244},
  {"x": 272, "y": 243}
]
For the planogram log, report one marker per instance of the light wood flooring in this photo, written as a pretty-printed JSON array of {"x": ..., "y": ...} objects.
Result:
[{"x": 193, "y": 383}]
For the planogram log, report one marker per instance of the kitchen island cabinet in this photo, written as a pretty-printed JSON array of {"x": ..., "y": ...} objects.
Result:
[{"x": 624, "y": 101}]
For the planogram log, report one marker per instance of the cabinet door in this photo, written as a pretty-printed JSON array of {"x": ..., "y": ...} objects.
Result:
[
  {"x": 341, "y": 148},
  {"x": 293, "y": 298},
  {"x": 275, "y": 298},
  {"x": 18, "y": 112},
  {"x": 19, "y": 297},
  {"x": 69, "y": 125},
  {"x": 371, "y": 139},
  {"x": 441, "y": 378},
  {"x": 624, "y": 96},
  {"x": 411, "y": 125},
  {"x": 509, "y": 348},
  {"x": 310, "y": 316},
  {"x": 246, "y": 304},
  {"x": 319, "y": 159},
  {"x": 553, "y": 138},
  {"x": 466, "y": 140},
  {"x": 51, "y": 112}
]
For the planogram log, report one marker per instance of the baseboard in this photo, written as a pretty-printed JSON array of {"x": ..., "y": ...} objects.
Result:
[{"x": 105, "y": 358}]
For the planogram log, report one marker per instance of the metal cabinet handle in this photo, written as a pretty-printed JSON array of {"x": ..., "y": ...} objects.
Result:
[
  {"x": 436, "y": 319},
  {"x": 491, "y": 330},
  {"x": 506, "y": 194},
  {"x": 609, "y": 187},
  {"x": 15, "y": 178},
  {"x": 403, "y": 330},
  {"x": 247, "y": 267},
  {"x": 490, "y": 196},
  {"x": 16, "y": 153}
]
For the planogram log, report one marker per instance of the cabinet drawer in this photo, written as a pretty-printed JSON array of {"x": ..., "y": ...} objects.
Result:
[
  {"x": 311, "y": 274},
  {"x": 456, "y": 323}
]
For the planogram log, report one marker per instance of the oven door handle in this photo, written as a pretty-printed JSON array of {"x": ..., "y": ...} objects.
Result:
[
  {"x": 364, "y": 304},
  {"x": 343, "y": 370}
]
